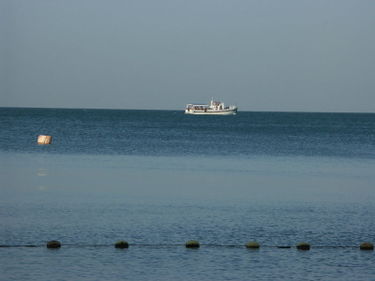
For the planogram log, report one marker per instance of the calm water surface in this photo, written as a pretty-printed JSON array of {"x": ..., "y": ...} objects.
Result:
[{"x": 160, "y": 178}]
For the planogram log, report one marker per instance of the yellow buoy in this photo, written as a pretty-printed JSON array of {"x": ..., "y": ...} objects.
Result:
[
  {"x": 192, "y": 244},
  {"x": 252, "y": 245},
  {"x": 303, "y": 246}
]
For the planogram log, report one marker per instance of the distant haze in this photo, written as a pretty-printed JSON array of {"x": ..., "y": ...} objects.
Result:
[{"x": 301, "y": 55}]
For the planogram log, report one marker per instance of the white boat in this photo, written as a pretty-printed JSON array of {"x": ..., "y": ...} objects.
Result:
[{"x": 214, "y": 108}]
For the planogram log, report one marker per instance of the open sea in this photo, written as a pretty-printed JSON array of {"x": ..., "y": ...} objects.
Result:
[{"x": 157, "y": 179}]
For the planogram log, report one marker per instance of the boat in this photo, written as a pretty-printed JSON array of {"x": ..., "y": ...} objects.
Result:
[{"x": 214, "y": 108}]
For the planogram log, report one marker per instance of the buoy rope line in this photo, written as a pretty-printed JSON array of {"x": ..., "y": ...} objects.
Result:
[{"x": 175, "y": 245}]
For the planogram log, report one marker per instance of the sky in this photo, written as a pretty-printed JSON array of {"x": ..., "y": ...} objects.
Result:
[{"x": 262, "y": 55}]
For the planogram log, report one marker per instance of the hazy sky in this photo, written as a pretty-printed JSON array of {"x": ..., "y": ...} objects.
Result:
[{"x": 301, "y": 55}]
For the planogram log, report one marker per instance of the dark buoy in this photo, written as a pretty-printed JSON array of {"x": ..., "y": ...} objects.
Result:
[
  {"x": 53, "y": 244},
  {"x": 121, "y": 244},
  {"x": 192, "y": 244},
  {"x": 303, "y": 246},
  {"x": 252, "y": 245},
  {"x": 366, "y": 246}
]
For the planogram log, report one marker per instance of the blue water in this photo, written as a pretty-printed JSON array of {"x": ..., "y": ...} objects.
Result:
[
  {"x": 170, "y": 133},
  {"x": 159, "y": 178}
]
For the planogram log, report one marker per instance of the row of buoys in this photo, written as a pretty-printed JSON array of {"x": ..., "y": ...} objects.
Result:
[
  {"x": 43, "y": 139},
  {"x": 121, "y": 244}
]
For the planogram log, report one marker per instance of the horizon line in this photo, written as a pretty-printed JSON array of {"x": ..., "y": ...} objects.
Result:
[{"x": 182, "y": 110}]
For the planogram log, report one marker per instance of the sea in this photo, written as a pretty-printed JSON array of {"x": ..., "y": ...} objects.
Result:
[{"x": 158, "y": 179}]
